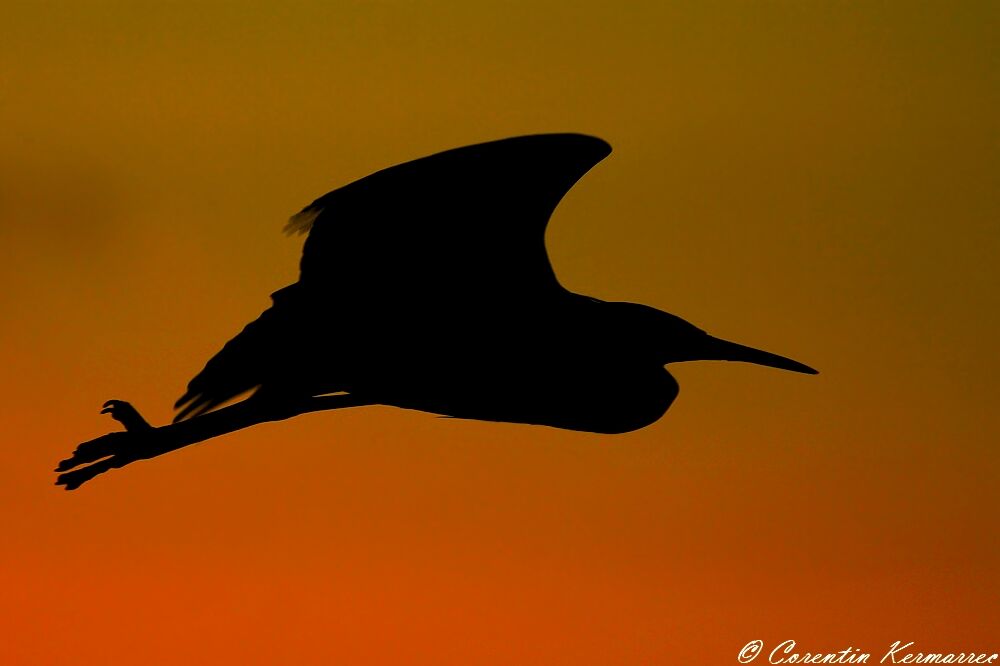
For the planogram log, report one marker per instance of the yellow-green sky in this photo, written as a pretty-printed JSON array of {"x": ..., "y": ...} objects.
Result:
[{"x": 815, "y": 178}]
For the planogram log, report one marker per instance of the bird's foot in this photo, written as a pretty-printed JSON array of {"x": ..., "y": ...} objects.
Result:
[
  {"x": 106, "y": 452},
  {"x": 126, "y": 414}
]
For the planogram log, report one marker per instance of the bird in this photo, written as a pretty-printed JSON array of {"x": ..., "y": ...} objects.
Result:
[{"x": 427, "y": 286}]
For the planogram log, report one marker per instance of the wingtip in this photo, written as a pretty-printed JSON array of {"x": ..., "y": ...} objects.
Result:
[
  {"x": 596, "y": 144},
  {"x": 604, "y": 146},
  {"x": 593, "y": 147}
]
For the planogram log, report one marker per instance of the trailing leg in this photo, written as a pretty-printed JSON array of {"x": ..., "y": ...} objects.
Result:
[{"x": 141, "y": 441}]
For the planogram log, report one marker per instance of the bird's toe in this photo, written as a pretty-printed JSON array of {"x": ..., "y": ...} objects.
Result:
[
  {"x": 126, "y": 414},
  {"x": 93, "y": 450}
]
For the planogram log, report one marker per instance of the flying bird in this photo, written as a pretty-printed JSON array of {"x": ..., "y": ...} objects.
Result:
[{"x": 427, "y": 286}]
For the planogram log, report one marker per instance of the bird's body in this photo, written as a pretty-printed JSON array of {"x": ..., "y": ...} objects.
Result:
[
  {"x": 522, "y": 363},
  {"x": 540, "y": 368},
  {"x": 427, "y": 286}
]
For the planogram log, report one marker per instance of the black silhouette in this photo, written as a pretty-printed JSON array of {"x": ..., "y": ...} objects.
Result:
[{"x": 427, "y": 286}]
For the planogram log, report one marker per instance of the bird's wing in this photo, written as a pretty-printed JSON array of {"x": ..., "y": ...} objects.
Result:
[
  {"x": 458, "y": 228},
  {"x": 462, "y": 231}
]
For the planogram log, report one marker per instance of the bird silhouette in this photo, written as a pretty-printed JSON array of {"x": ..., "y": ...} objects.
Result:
[{"x": 427, "y": 286}]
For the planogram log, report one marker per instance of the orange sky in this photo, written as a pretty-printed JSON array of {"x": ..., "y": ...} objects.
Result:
[{"x": 817, "y": 179}]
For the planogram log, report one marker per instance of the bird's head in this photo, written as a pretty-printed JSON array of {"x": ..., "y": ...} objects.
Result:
[{"x": 672, "y": 340}]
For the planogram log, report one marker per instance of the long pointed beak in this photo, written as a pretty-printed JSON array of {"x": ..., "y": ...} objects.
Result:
[{"x": 724, "y": 350}]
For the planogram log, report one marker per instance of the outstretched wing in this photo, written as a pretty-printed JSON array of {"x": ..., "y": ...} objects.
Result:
[
  {"x": 462, "y": 231},
  {"x": 464, "y": 226}
]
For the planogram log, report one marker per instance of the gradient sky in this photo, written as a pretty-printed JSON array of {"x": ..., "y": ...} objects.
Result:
[{"x": 815, "y": 178}]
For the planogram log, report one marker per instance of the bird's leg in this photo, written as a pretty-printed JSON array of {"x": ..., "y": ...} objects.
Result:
[{"x": 141, "y": 441}]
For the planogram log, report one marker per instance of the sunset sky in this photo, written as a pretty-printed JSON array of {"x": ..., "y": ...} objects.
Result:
[{"x": 818, "y": 179}]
